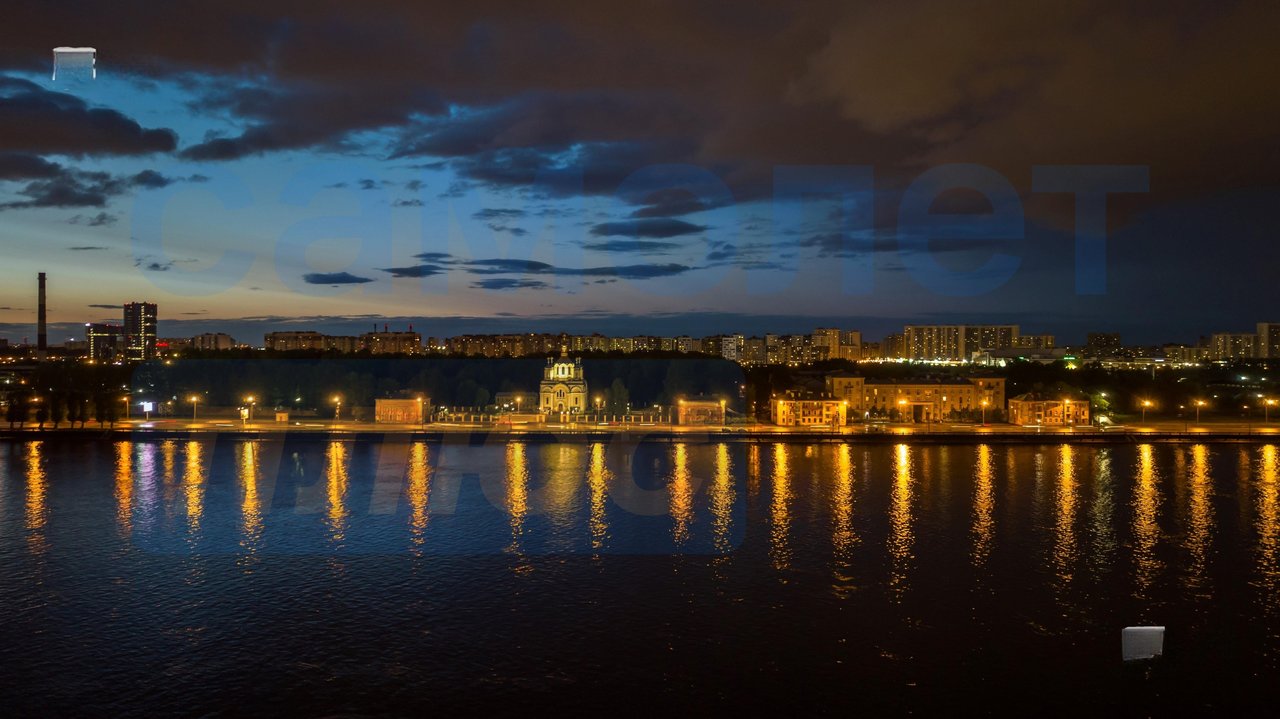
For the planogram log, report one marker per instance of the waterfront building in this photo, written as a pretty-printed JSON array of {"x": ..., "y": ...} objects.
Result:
[
  {"x": 797, "y": 409},
  {"x": 700, "y": 412},
  {"x": 400, "y": 411},
  {"x": 139, "y": 331},
  {"x": 563, "y": 389},
  {"x": 1038, "y": 409},
  {"x": 922, "y": 400}
]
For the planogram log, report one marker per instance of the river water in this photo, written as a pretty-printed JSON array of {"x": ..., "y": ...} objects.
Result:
[{"x": 366, "y": 579}]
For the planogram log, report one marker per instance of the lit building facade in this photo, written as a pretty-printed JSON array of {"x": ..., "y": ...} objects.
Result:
[
  {"x": 700, "y": 412},
  {"x": 1269, "y": 340},
  {"x": 563, "y": 389},
  {"x": 140, "y": 331},
  {"x": 400, "y": 411},
  {"x": 391, "y": 343},
  {"x": 1230, "y": 345},
  {"x": 105, "y": 341},
  {"x": 956, "y": 342},
  {"x": 919, "y": 401},
  {"x": 1038, "y": 409},
  {"x": 799, "y": 410}
]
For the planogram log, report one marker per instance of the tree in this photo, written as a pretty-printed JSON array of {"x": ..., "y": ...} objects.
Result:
[
  {"x": 617, "y": 397},
  {"x": 42, "y": 414},
  {"x": 57, "y": 408},
  {"x": 16, "y": 411}
]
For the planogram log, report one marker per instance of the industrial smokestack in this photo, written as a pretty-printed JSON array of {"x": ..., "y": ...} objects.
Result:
[{"x": 42, "y": 337}]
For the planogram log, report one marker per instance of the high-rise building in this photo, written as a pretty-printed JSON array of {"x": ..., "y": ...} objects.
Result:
[
  {"x": 1269, "y": 340},
  {"x": 1101, "y": 344},
  {"x": 139, "y": 331},
  {"x": 212, "y": 341},
  {"x": 1232, "y": 345},
  {"x": 391, "y": 343},
  {"x": 106, "y": 342},
  {"x": 956, "y": 342}
]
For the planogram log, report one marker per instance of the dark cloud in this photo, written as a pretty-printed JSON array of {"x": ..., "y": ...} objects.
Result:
[
  {"x": 441, "y": 263},
  {"x": 102, "y": 219},
  {"x": 70, "y": 188},
  {"x": 509, "y": 229},
  {"x": 631, "y": 246},
  {"x": 23, "y": 166},
  {"x": 660, "y": 228},
  {"x": 151, "y": 180},
  {"x": 669, "y": 203},
  {"x": 334, "y": 278},
  {"x": 533, "y": 267},
  {"x": 411, "y": 202},
  {"x": 54, "y": 185},
  {"x": 423, "y": 270},
  {"x": 87, "y": 248},
  {"x": 36, "y": 120},
  {"x": 506, "y": 283},
  {"x": 107, "y": 307},
  {"x": 294, "y": 115},
  {"x": 495, "y": 213}
]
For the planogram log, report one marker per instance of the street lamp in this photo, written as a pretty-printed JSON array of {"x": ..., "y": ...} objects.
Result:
[
  {"x": 1145, "y": 404},
  {"x": 251, "y": 400},
  {"x": 422, "y": 417},
  {"x": 1199, "y": 403},
  {"x": 902, "y": 408},
  {"x": 194, "y": 400},
  {"x": 1067, "y": 412},
  {"x": 984, "y": 412},
  {"x": 125, "y": 399},
  {"x": 337, "y": 412},
  {"x": 1266, "y": 410}
]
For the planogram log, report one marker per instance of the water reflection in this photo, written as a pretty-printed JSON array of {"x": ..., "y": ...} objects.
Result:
[
  {"x": 124, "y": 487},
  {"x": 1267, "y": 525},
  {"x": 842, "y": 534},
  {"x": 680, "y": 495},
  {"x": 193, "y": 486},
  {"x": 1146, "y": 529},
  {"x": 900, "y": 531},
  {"x": 37, "y": 514},
  {"x": 418, "y": 491},
  {"x": 1064, "y": 535},
  {"x": 983, "y": 505},
  {"x": 517, "y": 490},
  {"x": 779, "y": 509},
  {"x": 336, "y": 480},
  {"x": 597, "y": 488},
  {"x": 722, "y": 497},
  {"x": 250, "y": 506},
  {"x": 1201, "y": 517},
  {"x": 1102, "y": 513}
]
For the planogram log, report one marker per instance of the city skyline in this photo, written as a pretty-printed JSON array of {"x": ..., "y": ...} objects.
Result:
[{"x": 487, "y": 176}]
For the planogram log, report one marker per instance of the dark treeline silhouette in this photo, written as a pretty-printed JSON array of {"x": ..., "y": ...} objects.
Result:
[{"x": 313, "y": 383}]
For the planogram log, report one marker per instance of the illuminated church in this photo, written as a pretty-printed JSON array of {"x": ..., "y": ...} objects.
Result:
[{"x": 564, "y": 388}]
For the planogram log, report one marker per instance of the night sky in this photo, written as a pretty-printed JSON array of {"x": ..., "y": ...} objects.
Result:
[{"x": 485, "y": 166}]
